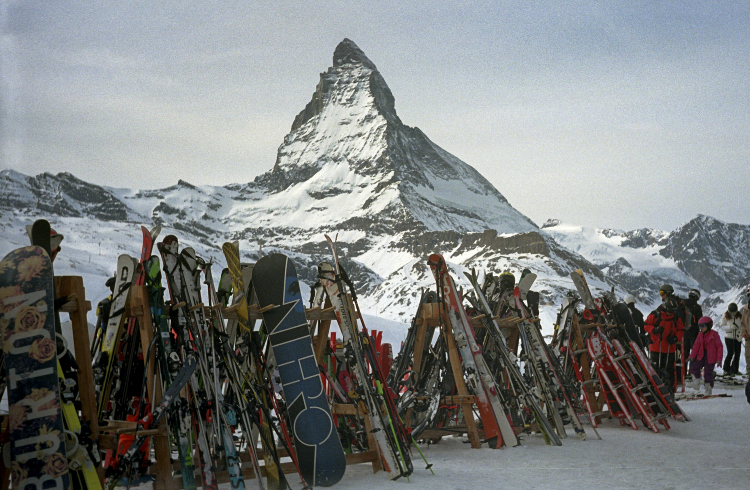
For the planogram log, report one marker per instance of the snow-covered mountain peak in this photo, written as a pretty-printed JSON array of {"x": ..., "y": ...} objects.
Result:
[{"x": 349, "y": 140}]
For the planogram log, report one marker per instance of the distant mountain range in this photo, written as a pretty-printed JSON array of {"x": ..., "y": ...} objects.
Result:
[{"x": 350, "y": 168}]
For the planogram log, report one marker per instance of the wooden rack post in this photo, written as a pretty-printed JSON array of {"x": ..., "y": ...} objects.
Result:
[
  {"x": 589, "y": 383},
  {"x": 466, "y": 401},
  {"x": 322, "y": 318},
  {"x": 430, "y": 316},
  {"x": 77, "y": 308}
]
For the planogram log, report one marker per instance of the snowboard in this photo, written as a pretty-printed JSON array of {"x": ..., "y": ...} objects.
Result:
[
  {"x": 27, "y": 323},
  {"x": 82, "y": 451},
  {"x": 319, "y": 451}
]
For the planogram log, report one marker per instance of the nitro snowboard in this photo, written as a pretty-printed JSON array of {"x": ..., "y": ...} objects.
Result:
[{"x": 320, "y": 455}]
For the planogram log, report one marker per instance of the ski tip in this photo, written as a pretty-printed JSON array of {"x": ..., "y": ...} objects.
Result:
[{"x": 154, "y": 232}]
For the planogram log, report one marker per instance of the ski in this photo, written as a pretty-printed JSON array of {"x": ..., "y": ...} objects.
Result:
[
  {"x": 153, "y": 418},
  {"x": 188, "y": 334},
  {"x": 169, "y": 364},
  {"x": 103, "y": 362},
  {"x": 387, "y": 447},
  {"x": 497, "y": 427},
  {"x": 526, "y": 394},
  {"x": 579, "y": 280}
]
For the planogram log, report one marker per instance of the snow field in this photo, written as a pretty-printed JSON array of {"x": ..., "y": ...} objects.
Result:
[{"x": 710, "y": 452}]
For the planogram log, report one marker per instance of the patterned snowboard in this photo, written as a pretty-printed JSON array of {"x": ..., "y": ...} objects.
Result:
[
  {"x": 321, "y": 457},
  {"x": 27, "y": 323}
]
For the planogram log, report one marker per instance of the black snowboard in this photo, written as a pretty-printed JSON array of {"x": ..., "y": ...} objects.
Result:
[{"x": 321, "y": 457}]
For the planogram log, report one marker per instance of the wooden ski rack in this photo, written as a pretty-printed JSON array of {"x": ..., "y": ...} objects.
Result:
[
  {"x": 432, "y": 316},
  {"x": 77, "y": 307},
  {"x": 591, "y": 385}
]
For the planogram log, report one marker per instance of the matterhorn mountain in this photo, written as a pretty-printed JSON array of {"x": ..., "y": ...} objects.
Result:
[
  {"x": 351, "y": 168},
  {"x": 348, "y": 144}
]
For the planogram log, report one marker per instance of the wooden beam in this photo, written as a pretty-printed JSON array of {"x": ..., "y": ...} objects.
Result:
[{"x": 458, "y": 377}]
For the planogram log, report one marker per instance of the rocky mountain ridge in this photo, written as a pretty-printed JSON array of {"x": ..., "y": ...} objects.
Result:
[{"x": 349, "y": 167}]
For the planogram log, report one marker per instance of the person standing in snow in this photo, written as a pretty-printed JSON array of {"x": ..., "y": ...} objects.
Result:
[
  {"x": 731, "y": 324},
  {"x": 745, "y": 331},
  {"x": 693, "y": 312},
  {"x": 665, "y": 329},
  {"x": 707, "y": 352},
  {"x": 637, "y": 315},
  {"x": 667, "y": 291}
]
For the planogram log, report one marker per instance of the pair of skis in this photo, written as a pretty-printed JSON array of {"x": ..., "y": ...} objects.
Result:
[
  {"x": 493, "y": 414},
  {"x": 371, "y": 386},
  {"x": 393, "y": 455},
  {"x": 524, "y": 392}
]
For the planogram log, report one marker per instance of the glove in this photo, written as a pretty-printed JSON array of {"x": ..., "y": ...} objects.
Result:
[
  {"x": 658, "y": 329},
  {"x": 672, "y": 339}
]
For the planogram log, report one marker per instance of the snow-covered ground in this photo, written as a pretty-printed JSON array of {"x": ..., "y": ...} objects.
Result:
[{"x": 709, "y": 452}]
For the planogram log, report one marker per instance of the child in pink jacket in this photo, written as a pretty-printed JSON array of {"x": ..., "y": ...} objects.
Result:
[{"x": 707, "y": 351}]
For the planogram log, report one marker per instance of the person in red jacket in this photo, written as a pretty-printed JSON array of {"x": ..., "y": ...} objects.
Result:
[
  {"x": 707, "y": 351},
  {"x": 665, "y": 329}
]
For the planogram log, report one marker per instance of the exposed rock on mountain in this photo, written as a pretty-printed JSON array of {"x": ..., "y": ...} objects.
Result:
[
  {"x": 711, "y": 251},
  {"x": 704, "y": 253},
  {"x": 61, "y": 195},
  {"x": 350, "y": 167}
]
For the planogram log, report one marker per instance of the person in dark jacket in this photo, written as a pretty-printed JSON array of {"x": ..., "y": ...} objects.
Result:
[
  {"x": 694, "y": 312},
  {"x": 637, "y": 315},
  {"x": 665, "y": 330}
]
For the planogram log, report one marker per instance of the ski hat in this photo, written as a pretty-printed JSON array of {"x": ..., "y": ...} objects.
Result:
[
  {"x": 705, "y": 322},
  {"x": 507, "y": 280},
  {"x": 666, "y": 288},
  {"x": 732, "y": 307},
  {"x": 695, "y": 294},
  {"x": 628, "y": 299}
]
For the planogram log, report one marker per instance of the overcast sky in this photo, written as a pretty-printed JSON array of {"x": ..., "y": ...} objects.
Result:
[{"x": 608, "y": 114}]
